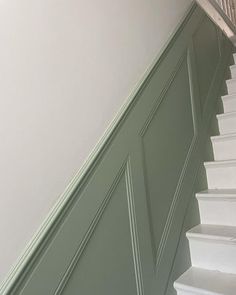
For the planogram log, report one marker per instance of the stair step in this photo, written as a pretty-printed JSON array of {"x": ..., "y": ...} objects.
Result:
[
  {"x": 224, "y": 146},
  {"x": 229, "y": 103},
  {"x": 217, "y": 207},
  {"x": 213, "y": 242},
  {"x": 226, "y": 194},
  {"x": 231, "y": 86},
  {"x": 233, "y": 71},
  {"x": 234, "y": 56},
  {"x": 200, "y": 281},
  {"x": 221, "y": 174},
  {"x": 213, "y": 247},
  {"x": 227, "y": 122},
  {"x": 214, "y": 232}
]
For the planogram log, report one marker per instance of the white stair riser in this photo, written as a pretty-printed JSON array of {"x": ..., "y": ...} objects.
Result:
[
  {"x": 227, "y": 124},
  {"x": 213, "y": 243},
  {"x": 218, "y": 212},
  {"x": 180, "y": 292},
  {"x": 223, "y": 176},
  {"x": 213, "y": 255},
  {"x": 231, "y": 86},
  {"x": 233, "y": 72},
  {"x": 224, "y": 149},
  {"x": 229, "y": 105}
]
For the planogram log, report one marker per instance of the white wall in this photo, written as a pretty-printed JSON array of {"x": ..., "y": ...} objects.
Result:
[{"x": 66, "y": 66}]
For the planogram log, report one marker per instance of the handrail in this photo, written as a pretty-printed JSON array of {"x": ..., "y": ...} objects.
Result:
[{"x": 223, "y": 13}]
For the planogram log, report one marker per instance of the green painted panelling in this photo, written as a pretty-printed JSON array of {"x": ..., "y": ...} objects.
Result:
[
  {"x": 119, "y": 229},
  {"x": 173, "y": 132},
  {"x": 207, "y": 56},
  {"x": 104, "y": 255}
]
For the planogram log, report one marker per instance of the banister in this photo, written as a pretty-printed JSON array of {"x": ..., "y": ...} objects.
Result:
[{"x": 223, "y": 13}]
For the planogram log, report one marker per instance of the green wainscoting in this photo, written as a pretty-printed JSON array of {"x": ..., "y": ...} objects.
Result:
[{"x": 117, "y": 230}]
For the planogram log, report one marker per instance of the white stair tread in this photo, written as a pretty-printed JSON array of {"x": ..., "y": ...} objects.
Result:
[
  {"x": 220, "y": 163},
  {"x": 233, "y": 67},
  {"x": 213, "y": 232},
  {"x": 226, "y": 115},
  {"x": 217, "y": 194},
  {"x": 206, "y": 282},
  {"x": 213, "y": 243},
  {"x": 228, "y": 97},
  {"x": 232, "y": 80},
  {"x": 223, "y": 137}
]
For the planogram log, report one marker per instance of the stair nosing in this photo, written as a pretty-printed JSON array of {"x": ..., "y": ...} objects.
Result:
[
  {"x": 226, "y": 115},
  {"x": 185, "y": 287},
  {"x": 223, "y": 137},
  {"x": 232, "y": 80},
  {"x": 219, "y": 196},
  {"x": 232, "y": 66},
  {"x": 230, "y": 239},
  {"x": 185, "y": 283},
  {"x": 228, "y": 97},
  {"x": 220, "y": 163}
]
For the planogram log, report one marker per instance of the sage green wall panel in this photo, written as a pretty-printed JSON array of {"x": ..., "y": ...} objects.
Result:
[
  {"x": 117, "y": 229},
  {"x": 207, "y": 55},
  {"x": 161, "y": 162},
  {"x": 108, "y": 252}
]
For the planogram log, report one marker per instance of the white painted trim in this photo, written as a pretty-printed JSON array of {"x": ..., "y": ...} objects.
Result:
[
  {"x": 217, "y": 195},
  {"x": 228, "y": 97},
  {"x": 215, "y": 164},
  {"x": 224, "y": 137},
  {"x": 219, "y": 234},
  {"x": 226, "y": 115}
]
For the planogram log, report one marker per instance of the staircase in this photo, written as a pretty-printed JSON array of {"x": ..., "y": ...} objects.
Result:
[{"x": 213, "y": 242}]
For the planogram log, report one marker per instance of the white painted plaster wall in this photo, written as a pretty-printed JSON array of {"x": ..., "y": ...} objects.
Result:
[{"x": 66, "y": 66}]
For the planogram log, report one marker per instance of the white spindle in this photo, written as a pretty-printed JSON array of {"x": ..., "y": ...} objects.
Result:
[
  {"x": 228, "y": 6},
  {"x": 230, "y": 10},
  {"x": 233, "y": 12},
  {"x": 221, "y": 3}
]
